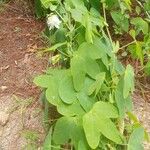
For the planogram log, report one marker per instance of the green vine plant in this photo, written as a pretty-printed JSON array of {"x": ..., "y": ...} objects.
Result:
[{"x": 92, "y": 89}]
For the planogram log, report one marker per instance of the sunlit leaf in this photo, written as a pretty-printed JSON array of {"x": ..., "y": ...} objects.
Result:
[
  {"x": 128, "y": 81},
  {"x": 136, "y": 138}
]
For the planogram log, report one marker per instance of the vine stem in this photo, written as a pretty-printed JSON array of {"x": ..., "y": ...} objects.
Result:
[
  {"x": 128, "y": 44},
  {"x": 105, "y": 18},
  {"x": 63, "y": 20}
]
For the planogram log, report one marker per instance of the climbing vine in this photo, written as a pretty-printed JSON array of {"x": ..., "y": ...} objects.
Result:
[{"x": 92, "y": 89}]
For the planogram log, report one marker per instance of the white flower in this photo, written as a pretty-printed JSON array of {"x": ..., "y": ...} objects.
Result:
[{"x": 53, "y": 22}]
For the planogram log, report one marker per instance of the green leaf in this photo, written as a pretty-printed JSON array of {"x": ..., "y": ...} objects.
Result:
[
  {"x": 124, "y": 105},
  {"x": 120, "y": 20},
  {"x": 90, "y": 50},
  {"x": 140, "y": 25},
  {"x": 92, "y": 67},
  {"x": 52, "y": 94},
  {"x": 66, "y": 90},
  {"x": 55, "y": 47},
  {"x": 77, "y": 15},
  {"x": 62, "y": 129},
  {"x": 82, "y": 145},
  {"x": 91, "y": 130},
  {"x": 136, "y": 139},
  {"x": 97, "y": 122},
  {"x": 105, "y": 109},
  {"x": 109, "y": 130},
  {"x": 96, "y": 86},
  {"x": 86, "y": 101},
  {"x": 43, "y": 81},
  {"x": 128, "y": 81},
  {"x": 69, "y": 128},
  {"x": 60, "y": 35},
  {"x": 78, "y": 71},
  {"x": 74, "y": 109}
]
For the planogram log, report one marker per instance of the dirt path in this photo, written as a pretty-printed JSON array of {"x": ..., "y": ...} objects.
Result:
[{"x": 20, "y": 112}]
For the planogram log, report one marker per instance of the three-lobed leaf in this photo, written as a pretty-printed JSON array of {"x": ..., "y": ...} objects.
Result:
[{"x": 98, "y": 122}]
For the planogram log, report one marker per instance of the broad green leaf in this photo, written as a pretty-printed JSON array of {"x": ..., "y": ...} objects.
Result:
[
  {"x": 98, "y": 122},
  {"x": 96, "y": 86},
  {"x": 140, "y": 25},
  {"x": 82, "y": 145},
  {"x": 136, "y": 139},
  {"x": 124, "y": 105},
  {"x": 86, "y": 101},
  {"x": 62, "y": 129},
  {"x": 77, "y": 15},
  {"x": 77, "y": 136},
  {"x": 117, "y": 65},
  {"x": 43, "y": 81},
  {"x": 90, "y": 50},
  {"x": 120, "y": 20},
  {"x": 74, "y": 109},
  {"x": 92, "y": 67},
  {"x": 108, "y": 129},
  {"x": 104, "y": 50},
  {"x": 111, "y": 4},
  {"x": 69, "y": 128},
  {"x": 103, "y": 45},
  {"x": 91, "y": 130},
  {"x": 105, "y": 109},
  {"x": 60, "y": 35},
  {"x": 66, "y": 90},
  {"x": 52, "y": 94},
  {"x": 78, "y": 71},
  {"x": 128, "y": 81}
]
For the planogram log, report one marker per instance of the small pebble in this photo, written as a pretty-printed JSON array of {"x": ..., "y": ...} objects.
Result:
[{"x": 4, "y": 117}]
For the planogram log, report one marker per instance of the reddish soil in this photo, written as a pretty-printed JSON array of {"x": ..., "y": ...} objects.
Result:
[{"x": 19, "y": 40}]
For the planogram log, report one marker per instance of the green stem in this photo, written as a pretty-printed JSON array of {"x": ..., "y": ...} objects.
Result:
[
  {"x": 105, "y": 18},
  {"x": 63, "y": 20},
  {"x": 128, "y": 44}
]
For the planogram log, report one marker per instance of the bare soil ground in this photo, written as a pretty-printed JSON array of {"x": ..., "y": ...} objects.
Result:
[{"x": 20, "y": 111}]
